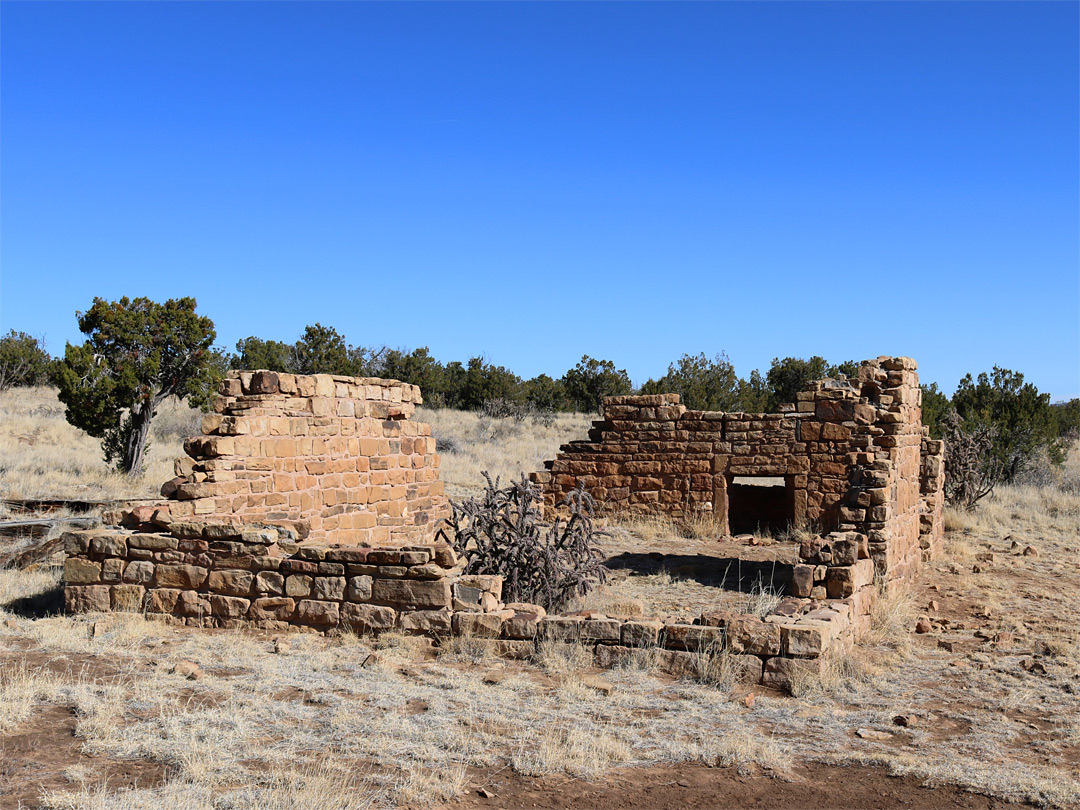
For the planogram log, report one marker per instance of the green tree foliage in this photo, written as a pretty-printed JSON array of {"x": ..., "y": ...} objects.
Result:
[
  {"x": 418, "y": 367},
  {"x": 789, "y": 376},
  {"x": 1020, "y": 416},
  {"x": 255, "y": 353},
  {"x": 591, "y": 380},
  {"x": 935, "y": 407},
  {"x": 753, "y": 394},
  {"x": 1067, "y": 419},
  {"x": 137, "y": 353},
  {"x": 545, "y": 394},
  {"x": 23, "y": 360},
  {"x": 484, "y": 382},
  {"x": 702, "y": 383},
  {"x": 453, "y": 384},
  {"x": 321, "y": 350}
]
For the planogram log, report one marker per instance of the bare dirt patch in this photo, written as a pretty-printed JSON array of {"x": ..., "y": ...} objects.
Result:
[{"x": 696, "y": 786}]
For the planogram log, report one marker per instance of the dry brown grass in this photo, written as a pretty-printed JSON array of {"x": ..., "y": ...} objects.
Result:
[
  {"x": 470, "y": 444},
  {"x": 42, "y": 456},
  {"x": 301, "y": 722}
]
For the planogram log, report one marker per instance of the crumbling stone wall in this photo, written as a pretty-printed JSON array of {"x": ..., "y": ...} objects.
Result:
[
  {"x": 336, "y": 459},
  {"x": 311, "y": 502},
  {"x": 241, "y": 575},
  {"x": 853, "y": 454},
  {"x": 234, "y": 575}
]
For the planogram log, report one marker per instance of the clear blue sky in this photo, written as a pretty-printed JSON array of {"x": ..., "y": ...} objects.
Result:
[{"x": 534, "y": 182}]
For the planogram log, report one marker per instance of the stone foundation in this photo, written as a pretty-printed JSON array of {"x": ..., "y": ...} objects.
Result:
[{"x": 234, "y": 575}]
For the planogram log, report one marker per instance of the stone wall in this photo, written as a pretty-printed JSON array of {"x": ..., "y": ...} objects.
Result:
[
  {"x": 852, "y": 454},
  {"x": 312, "y": 501},
  {"x": 235, "y": 575},
  {"x": 242, "y": 575},
  {"x": 336, "y": 459}
]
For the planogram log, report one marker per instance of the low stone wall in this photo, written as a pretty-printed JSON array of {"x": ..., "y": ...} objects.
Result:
[
  {"x": 232, "y": 575},
  {"x": 237, "y": 575}
]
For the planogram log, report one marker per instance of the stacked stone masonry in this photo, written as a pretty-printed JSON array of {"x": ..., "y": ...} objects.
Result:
[
  {"x": 854, "y": 458},
  {"x": 335, "y": 459},
  {"x": 313, "y": 501},
  {"x": 234, "y": 575}
]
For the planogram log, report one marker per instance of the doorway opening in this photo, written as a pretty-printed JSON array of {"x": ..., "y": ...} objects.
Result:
[{"x": 760, "y": 503}]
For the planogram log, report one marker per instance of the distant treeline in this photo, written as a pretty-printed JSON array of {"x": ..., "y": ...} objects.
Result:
[
  {"x": 703, "y": 383},
  {"x": 138, "y": 352}
]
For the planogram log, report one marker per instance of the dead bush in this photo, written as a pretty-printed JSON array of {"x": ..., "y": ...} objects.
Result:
[{"x": 503, "y": 533}]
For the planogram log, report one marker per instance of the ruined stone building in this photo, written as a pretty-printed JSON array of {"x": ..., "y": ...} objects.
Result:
[
  {"x": 850, "y": 458},
  {"x": 313, "y": 502}
]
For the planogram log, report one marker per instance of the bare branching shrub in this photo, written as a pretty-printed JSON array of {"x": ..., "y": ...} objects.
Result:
[
  {"x": 518, "y": 411},
  {"x": 503, "y": 532},
  {"x": 1041, "y": 472},
  {"x": 971, "y": 472}
]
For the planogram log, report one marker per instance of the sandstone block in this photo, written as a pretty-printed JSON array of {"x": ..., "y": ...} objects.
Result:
[
  {"x": 805, "y": 641},
  {"x": 753, "y": 636},
  {"x": 298, "y": 585},
  {"x": 515, "y": 649},
  {"x": 273, "y": 608},
  {"x": 359, "y": 589},
  {"x": 139, "y": 572},
  {"x": 802, "y": 580},
  {"x": 109, "y": 545},
  {"x": 112, "y": 569},
  {"x": 367, "y": 618},
  {"x": 319, "y": 614},
  {"x": 840, "y": 582},
  {"x": 87, "y": 598},
  {"x": 522, "y": 625},
  {"x": 192, "y": 604},
  {"x": 348, "y": 555},
  {"x": 76, "y": 542},
  {"x": 641, "y": 632},
  {"x": 163, "y": 600},
  {"x": 269, "y": 583},
  {"x": 263, "y": 382},
  {"x": 694, "y": 638},
  {"x": 426, "y": 621},
  {"x": 681, "y": 664},
  {"x": 179, "y": 576},
  {"x": 444, "y": 556},
  {"x": 601, "y": 630},
  {"x": 561, "y": 628},
  {"x": 332, "y": 588},
  {"x": 845, "y": 550},
  {"x": 229, "y": 607},
  {"x": 128, "y": 598},
  {"x": 231, "y": 583},
  {"x": 418, "y": 594},
  {"x": 477, "y": 625},
  {"x": 782, "y": 673},
  {"x": 426, "y": 571},
  {"x": 78, "y": 571}
]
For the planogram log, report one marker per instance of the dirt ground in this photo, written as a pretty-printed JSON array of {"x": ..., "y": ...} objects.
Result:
[{"x": 697, "y": 786}]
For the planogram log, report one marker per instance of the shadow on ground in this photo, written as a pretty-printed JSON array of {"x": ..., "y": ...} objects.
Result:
[{"x": 730, "y": 573}]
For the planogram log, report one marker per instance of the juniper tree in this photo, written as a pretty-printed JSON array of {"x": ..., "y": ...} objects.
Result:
[{"x": 137, "y": 353}]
